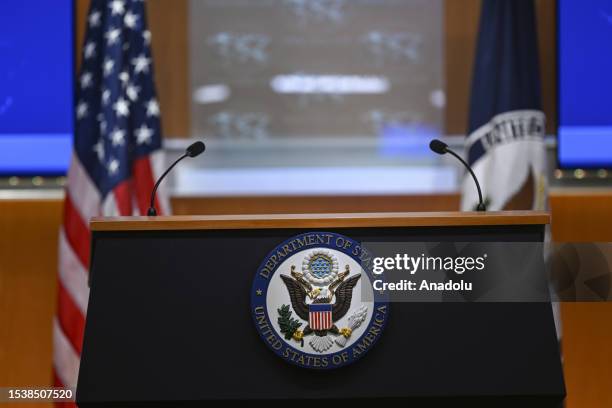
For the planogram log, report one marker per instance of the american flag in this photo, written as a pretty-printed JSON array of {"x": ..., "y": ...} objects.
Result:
[
  {"x": 117, "y": 156},
  {"x": 320, "y": 316}
]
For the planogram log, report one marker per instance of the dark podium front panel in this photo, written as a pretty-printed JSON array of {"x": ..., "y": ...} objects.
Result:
[{"x": 169, "y": 322}]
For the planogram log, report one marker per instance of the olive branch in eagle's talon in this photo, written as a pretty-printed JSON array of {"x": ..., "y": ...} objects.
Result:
[{"x": 289, "y": 326}]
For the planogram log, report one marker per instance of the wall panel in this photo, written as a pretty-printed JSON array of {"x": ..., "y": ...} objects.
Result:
[
  {"x": 308, "y": 204},
  {"x": 28, "y": 265},
  {"x": 580, "y": 215},
  {"x": 28, "y": 259}
]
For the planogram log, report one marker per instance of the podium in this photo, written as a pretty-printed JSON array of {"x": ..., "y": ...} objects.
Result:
[{"x": 169, "y": 320}]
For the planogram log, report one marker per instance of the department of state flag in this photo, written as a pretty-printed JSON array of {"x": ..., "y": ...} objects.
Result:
[{"x": 505, "y": 142}]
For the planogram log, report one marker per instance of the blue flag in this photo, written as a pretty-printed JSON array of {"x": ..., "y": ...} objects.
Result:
[{"x": 505, "y": 142}]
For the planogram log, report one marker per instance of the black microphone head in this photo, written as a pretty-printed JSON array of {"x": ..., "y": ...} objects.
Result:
[
  {"x": 195, "y": 149},
  {"x": 438, "y": 146}
]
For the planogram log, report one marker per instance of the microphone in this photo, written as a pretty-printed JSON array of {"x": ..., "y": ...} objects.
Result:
[
  {"x": 194, "y": 149},
  {"x": 438, "y": 146}
]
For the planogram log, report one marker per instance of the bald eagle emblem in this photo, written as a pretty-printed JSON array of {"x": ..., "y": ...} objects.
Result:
[
  {"x": 320, "y": 296},
  {"x": 321, "y": 314},
  {"x": 313, "y": 302}
]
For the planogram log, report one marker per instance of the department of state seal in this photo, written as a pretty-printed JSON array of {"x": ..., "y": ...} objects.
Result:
[{"x": 314, "y": 305}]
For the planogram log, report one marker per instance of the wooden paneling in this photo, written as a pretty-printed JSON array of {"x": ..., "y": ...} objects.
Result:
[
  {"x": 587, "y": 327},
  {"x": 313, "y": 204},
  {"x": 547, "y": 38},
  {"x": 168, "y": 21},
  {"x": 587, "y": 354},
  {"x": 582, "y": 215},
  {"x": 81, "y": 8},
  {"x": 461, "y": 23},
  {"x": 28, "y": 265}
]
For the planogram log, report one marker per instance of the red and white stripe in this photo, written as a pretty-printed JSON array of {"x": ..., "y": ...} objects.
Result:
[
  {"x": 82, "y": 202},
  {"x": 320, "y": 320}
]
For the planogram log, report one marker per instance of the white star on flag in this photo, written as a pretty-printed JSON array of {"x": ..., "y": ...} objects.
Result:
[
  {"x": 124, "y": 77},
  {"x": 130, "y": 19},
  {"x": 117, "y": 7},
  {"x": 94, "y": 19},
  {"x": 117, "y": 137},
  {"x": 146, "y": 34},
  {"x": 121, "y": 107},
  {"x": 90, "y": 50},
  {"x": 86, "y": 78},
  {"x": 109, "y": 64},
  {"x": 141, "y": 63},
  {"x": 132, "y": 92},
  {"x": 112, "y": 36},
  {"x": 113, "y": 166},
  {"x": 152, "y": 108},
  {"x": 105, "y": 96},
  {"x": 99, "y": 149},
  {"x": 81, "y": 110},
  {"x": 143, "y": 134}
]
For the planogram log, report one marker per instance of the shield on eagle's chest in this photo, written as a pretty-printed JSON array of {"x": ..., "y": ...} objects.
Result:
[{"x": 320, "y": 316}]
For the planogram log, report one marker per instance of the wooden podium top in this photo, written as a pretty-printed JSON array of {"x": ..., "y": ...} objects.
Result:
[{"x": 339, "y": 220}]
